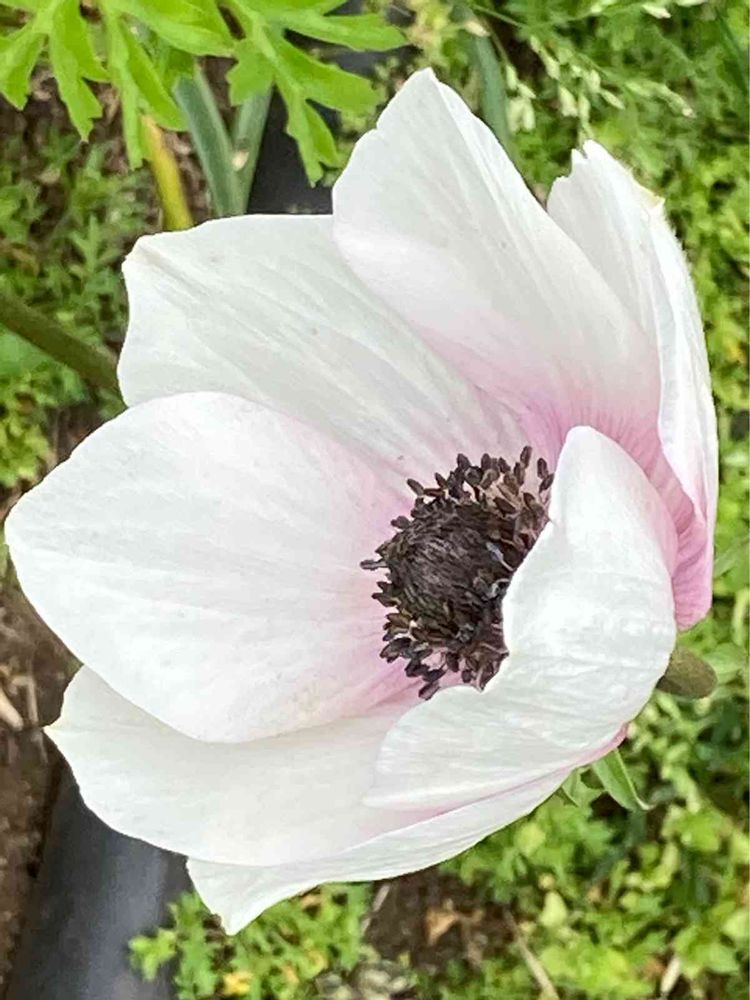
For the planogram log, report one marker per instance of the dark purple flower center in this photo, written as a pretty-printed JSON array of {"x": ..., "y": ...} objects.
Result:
[{"x": 449, "y": 565}]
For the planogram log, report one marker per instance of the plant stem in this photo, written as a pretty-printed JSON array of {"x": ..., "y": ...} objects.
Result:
[
  {"x": 494, "y": 98},
  {"x": 211, "y": 141},
  {"x": 167, "y": 177},
  {"x": 95, "y": 364},
  {"x": 247, "y": 133}
]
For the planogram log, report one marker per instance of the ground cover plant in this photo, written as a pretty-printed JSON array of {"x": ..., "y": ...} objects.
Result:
[{"x": 584, "y": 898}]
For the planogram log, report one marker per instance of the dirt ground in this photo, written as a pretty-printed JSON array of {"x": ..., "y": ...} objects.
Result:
[
  {"x": 435, "y": 918},
  {"x": 34, "y": 668}
]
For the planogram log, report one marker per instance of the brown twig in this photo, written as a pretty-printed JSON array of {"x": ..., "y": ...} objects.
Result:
[{"x": 533, "y": 964}]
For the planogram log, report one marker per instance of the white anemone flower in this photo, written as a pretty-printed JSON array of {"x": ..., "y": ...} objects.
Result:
[{"x": 244, "y": 701}]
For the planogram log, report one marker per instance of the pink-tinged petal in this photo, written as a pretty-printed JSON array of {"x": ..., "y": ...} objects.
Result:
[
  {"x": 201, "y": 554},
  {"x": 266, "y": 802},
  {"x": 264, "y": 307},
  {"x": 622, "y": 229},
  {"x": 589, "y": 623},
  {"x": 239, "y": 894},
  {"x": 434, "y": 217}
]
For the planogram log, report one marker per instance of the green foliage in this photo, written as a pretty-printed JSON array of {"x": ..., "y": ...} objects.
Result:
[
  {"x": 278, "y": 955},
  {"x": 65, "y": 223},
  {"x": 142, "y": 46}
]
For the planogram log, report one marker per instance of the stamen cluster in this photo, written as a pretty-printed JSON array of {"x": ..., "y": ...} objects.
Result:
[{"x": 449, "y": 565}]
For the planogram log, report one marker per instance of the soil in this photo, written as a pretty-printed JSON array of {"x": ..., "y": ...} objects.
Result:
[
  {"x": 34, "y": 668},
  {"x": 435, "y": 919}
]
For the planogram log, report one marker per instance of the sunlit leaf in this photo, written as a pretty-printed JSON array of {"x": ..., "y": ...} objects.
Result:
[
  {"x": 150, "y": 84},
  {"x": 355, "y": 31},
  {"x": 324, "y": 82},
  {"x": 616, "y": 780},
  {"x": 188, "y": 24},
  {"x": 18, "y": 55},
  {"x": 251, "y": 74},
  {"x": 73, "y": 59}
]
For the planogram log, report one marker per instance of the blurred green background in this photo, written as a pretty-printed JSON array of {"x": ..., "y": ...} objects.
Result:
[{"x": 577, "y": 901}]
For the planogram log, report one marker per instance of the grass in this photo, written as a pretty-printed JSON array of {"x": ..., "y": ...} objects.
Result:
[
  {"x": 66, "y": 220},
  {"x": 614, "y": 904}
]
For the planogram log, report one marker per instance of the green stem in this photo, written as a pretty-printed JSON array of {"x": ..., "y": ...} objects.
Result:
[
  {"x": 211, "y": 142},
  {"x": 96, "y": 365},
  {"x": 247, "y": 133},
  {"x": 493, "y": 98},
  {"x": 167, "y": 177}
]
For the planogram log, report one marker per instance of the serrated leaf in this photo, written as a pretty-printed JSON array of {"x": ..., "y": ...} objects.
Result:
[
  {"x": 81, "y": 103},
  {"x": 72, "y": 31},
  {"x": 150, "y": 84},
  {"x": 323, "y": 141},
  {"x": 126, "y": 88},
  {"x": 280, "y": 8},
  {"x": 355, "y": 31},
  {"x": 72, "y": 56},
  {"x": 324, "y": 82},
  {"x": 616, "y": 780},
  {"x": 312, "y": 135},
  {"x": 251, "y": 74},
  {"x": 18, "y": 55},
  {"x": 190, "y": 25}
]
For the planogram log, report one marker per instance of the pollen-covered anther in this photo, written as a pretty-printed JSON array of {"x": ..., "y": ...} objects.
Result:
[{"x": 449, "y": 564}]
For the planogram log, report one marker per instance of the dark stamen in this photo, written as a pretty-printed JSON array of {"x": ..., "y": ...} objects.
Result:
[{"x": 449, "y": 565}]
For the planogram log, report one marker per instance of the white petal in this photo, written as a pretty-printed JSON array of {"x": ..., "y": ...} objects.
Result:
[
  {"x": 589, "y": 623},
  {"x": 622, "y": 229},
  {"x": 432, "y": 215},
  {"x": 270, "y": 801},
  {"x": 201, "y": 554},
  {"x": 264, "y": 307},
  {"x": 239, "y": 894}
]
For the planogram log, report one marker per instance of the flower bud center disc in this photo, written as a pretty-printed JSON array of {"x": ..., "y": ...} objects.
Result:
[{"x": 449, "y": 565}]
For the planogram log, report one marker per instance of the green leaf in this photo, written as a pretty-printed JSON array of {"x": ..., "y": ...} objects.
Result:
[
  {"x": 726, "y": 660},
  {"x": 355, "y": 31},
  {"x": 72, "y": 56},
  {"x": 72, "y": 31},
  {"x": 191, "y": 25},
  {"x": 493, "y": 94},
  {"x": 248, "y": 126},
  {"x": 28, "y": 5},
  {"x": 279, "y": 9},
  {"x": 324, "y": 143},
  {"x": 126, "y": 87},
  {"x": 211, "y": 143},
  {"x": 576, "y": 791},
  {"x": 150, "y": 84},
  {"x": 304, "y": 124},
  {"x": 554, "y": 912},
  {"x": 18, "y": 55},
  {"x": 615, "y": 778},
  {"x": 252, "y": 73},
  {"x": 324, "y": 82}
]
